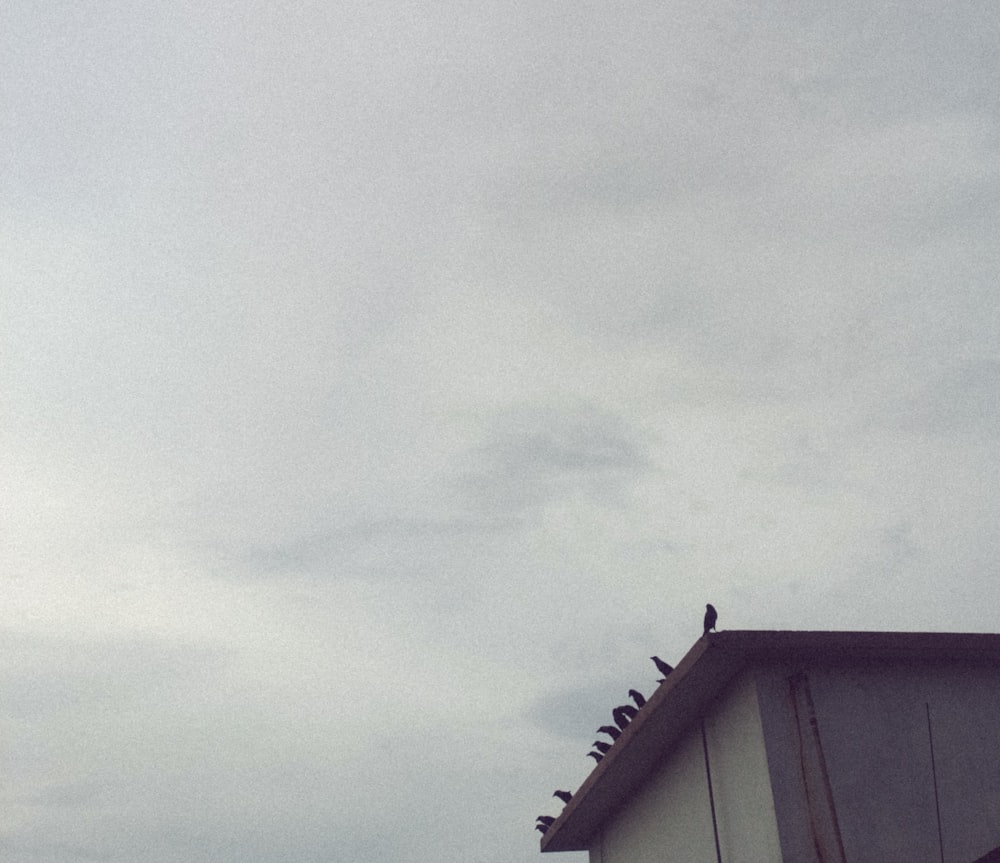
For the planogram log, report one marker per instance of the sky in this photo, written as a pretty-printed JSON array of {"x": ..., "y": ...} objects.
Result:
[{"x": 381, "y": 385}]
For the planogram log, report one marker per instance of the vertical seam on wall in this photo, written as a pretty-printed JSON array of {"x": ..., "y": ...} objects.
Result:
[
  {"x": 937, "y": 803},
  {"x": 711, "y": 794}
]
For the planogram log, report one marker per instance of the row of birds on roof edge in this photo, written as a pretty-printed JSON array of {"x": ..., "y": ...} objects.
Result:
[{"x": 622, "y": 715}]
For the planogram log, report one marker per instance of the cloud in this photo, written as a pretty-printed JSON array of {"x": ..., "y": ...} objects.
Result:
[
  {"x": 375, "y": 548},
  {"x": 963, "y": 399},
  {"x": 536, "y": 456},
  {"x": 383, "y": 386}
]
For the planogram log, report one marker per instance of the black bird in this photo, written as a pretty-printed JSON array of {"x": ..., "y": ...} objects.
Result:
[
  {"x": 636, "y": 696},
  {"x": 565, "y": 796},
  {"x": 601, "y": 746},
  {"x": 662, "y": 666},
  {"x": 542, "y": 827},
  {"x": 610, "y": 730},
  {"x": 623, "y": 715},
  {"x": 595, "y": 755},
  {"x": 711, "y": 615},
  {"x": 546, "y": 820}
]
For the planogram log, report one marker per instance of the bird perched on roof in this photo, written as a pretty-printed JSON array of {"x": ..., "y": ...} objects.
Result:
[
  {"x": 636, "y": 696},
  {"x": 661, "y": 666},
  {"x": 601, "y": 746},
  {"x": 546, "y": 820},
  {"x": 711, "y": 615},
  {"x": 565, "y": 796},
  {"x": 595, "y": 755},
  {"x": 613, "y": 732},
  {"x": 623, "y": 714},
  {"x": 542, "y": 828}
]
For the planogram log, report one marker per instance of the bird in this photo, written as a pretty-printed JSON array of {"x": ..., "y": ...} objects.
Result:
[
  {"x": 636, "y": 696},
  {"x": 595, "y": 755},
  {"x": 542, "y": 828},
  {"x": 601, "y": 746},
  {"x": 546, "y": 820},
  {"x": 565, "y": 796},
  {"x": 613, "y": 732},
  {"x": 623, "y": 715},
  {"x": 661, "y": 666},
  {"x": 711, "y": 615}
]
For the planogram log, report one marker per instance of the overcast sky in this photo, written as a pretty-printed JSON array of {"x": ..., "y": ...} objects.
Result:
[{"x": 382, "y": 384}]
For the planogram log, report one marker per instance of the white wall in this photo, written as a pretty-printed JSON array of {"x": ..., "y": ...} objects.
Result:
[
  {"x": 744, "y": 804},
  {"x": 669, "y": 820},
  {"x": 873, "y": 726}
]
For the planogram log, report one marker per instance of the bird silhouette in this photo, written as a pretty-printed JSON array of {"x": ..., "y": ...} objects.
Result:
[
  {"x": 565, "y": 796},
  {"x": 636, "y": 696},
  {"x": 597, "y": 756},
  {"x": 610, "y": 730},
  {"x": 623, "y": 715},
  {"x": 542, "y": 828},
  {"x": 601, "y": 746},
  {"x": 546, "y": 820},
  {"x": 711, "y": 615},
  {"x": 661, "y": 666}
]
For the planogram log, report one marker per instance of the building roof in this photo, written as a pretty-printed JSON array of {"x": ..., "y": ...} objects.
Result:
[{"x": 702, "y": 675}]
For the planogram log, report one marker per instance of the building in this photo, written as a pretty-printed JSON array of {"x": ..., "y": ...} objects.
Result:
[{"x": 804, "y": 747}]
